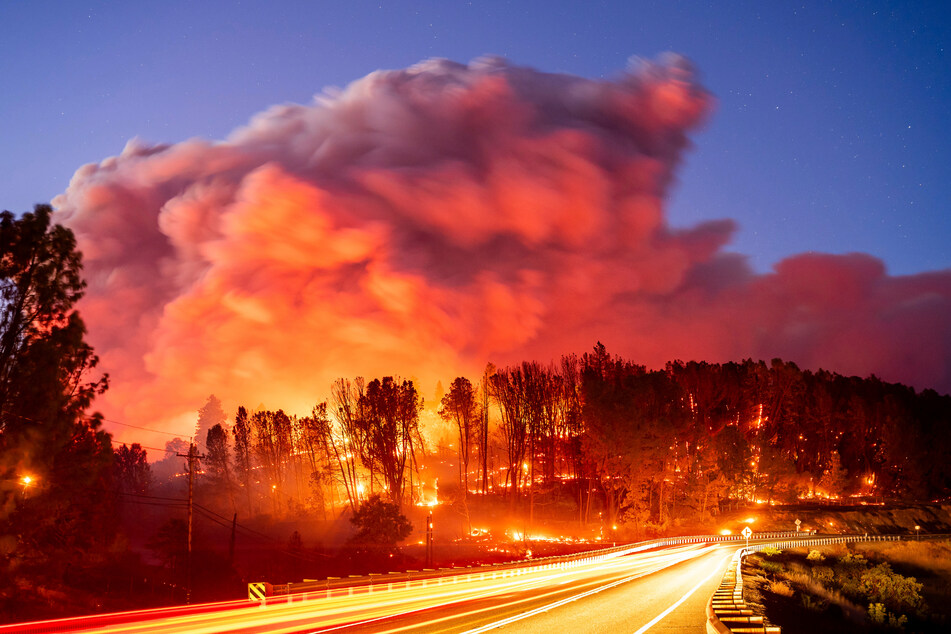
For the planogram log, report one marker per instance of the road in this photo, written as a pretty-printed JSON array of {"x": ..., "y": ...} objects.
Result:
[
  {"x": 662, "y": 590},
  {"x": 659, "y": 591}
]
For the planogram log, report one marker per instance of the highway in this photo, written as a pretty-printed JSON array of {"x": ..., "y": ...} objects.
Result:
[{"x": 657, "y": 590}]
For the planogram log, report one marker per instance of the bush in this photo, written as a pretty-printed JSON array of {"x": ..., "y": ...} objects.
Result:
[
  {"x": 770, "y": 551},
  {"x": 853, "y": 559},
  {"x": 880, "y": 616},
  {"x": 772, "y": 566},
  {"x": 781, "y": 588},
  {"x": 898, "y": 593},
  {"x": 812, "y": 603},
  {"x": 822, "y": 574},
  {"x": 815, "y": 555}
]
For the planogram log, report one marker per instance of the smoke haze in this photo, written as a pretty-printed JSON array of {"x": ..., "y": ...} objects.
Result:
[{"x": 425, "y": 221}]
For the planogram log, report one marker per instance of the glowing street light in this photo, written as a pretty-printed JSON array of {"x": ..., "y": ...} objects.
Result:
[
  {"x": 917, "y": 532},
  {"x": 26, "y": 481}
]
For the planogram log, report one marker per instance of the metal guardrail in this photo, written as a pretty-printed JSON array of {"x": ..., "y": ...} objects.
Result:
[
  {"x": 377, "y": 582},
  {"x": 727, "y": 610}
]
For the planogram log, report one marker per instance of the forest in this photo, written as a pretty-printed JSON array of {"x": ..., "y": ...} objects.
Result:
[{"x": 595, "y": 433}]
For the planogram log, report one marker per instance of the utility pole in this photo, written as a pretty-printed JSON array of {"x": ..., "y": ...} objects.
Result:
[
  {"x": 234, "y": 526},
  {"x": 429, "y": 539},
  {"x": 193, "y": 458}
]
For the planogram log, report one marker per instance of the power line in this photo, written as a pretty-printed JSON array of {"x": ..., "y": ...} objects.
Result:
[
  {"x": 125, "y": 444},
  {"x": 115, "y": 422}
]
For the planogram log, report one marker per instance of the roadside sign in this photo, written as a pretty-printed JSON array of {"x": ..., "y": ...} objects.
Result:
[
  {"x": 257, "y": 591},
  {"x": 798, "y": 522},
  {"x": 747, "y": 532}
]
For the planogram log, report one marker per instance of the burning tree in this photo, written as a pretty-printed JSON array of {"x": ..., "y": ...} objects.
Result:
[
  {"x": 460, "y": 407},
  {"x": 390, "y": 429}
]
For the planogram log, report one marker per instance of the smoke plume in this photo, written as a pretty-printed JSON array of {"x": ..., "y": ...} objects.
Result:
[{"x": 425, "y": 221}]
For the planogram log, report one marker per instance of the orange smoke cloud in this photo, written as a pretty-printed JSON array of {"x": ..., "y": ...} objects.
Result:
[{"x": 425, "y": 221}]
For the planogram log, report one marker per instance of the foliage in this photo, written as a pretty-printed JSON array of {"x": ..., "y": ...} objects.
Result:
[
  {"x": 770, "y": 551},
  {"x": 771, "y": 566},
  {"x": 823, "y": 574},
  {"x": 132, "y": 472},
  {"x": 781, "y": 588},
  {"x": 815, "y": 555},
  {"x": 66, "y": 507},
  {"x": 217, "y": 464},
  {"x": 459, "y": 406},
  {"x": 880, "y": 616},
  {"x": 899, "y": 593},
  {"x": 170, "y": 543},
  {"x": 390, "y": 430},
  {"x": 208, "y": 416},
  {"x": 380, "y": 525}
]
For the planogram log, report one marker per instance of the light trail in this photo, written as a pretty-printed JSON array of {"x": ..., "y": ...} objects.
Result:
[
  {"x": 529, "y": 590},
  {"x": 677, "y": 604},
  {"x": 646, "y": 564}
]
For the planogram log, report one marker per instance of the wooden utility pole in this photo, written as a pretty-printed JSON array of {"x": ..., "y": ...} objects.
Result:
[
  {"x": 429, "y": 539},
  {"x": 193, "y": 458},
  {"x": 234, "y": 526}
]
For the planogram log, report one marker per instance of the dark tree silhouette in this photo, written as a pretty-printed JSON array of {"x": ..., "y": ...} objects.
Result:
[
  {"x": 44, "y": 391},
  {"x": 243, "y": 456},
  {"x": 132, "y": 472},
  {"x": 390, "y": 428},
  {"x": 380, "y": 526},
  {"x": 217, "y": 463},
  {"x": 460, "y": 408}
]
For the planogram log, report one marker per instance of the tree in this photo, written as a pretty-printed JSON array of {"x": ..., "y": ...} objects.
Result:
[
  {"x": 314, "y": 440},
  {"x": 508, "y": 388},
  {"x": 208, "y": 416},
  {"x": 217, "y": 462},
  {"x": 243, "y": 458},
  {"x": 272, "y": 446},
  {"x": 347, "y": 446},
  {"x": 459, "y": 406},
  {"x": 45, "y": 390},
  {"x": 390, "y": 429},
  {"x": 485, "y": 393},
  {"x": 380, "y": 525},
  {"x": 132, "y": 472}
]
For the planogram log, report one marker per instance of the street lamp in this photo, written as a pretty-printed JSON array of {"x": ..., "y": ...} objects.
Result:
[
  {"x": 917, "y": 532},
  {"x": 26, "y": 481}
]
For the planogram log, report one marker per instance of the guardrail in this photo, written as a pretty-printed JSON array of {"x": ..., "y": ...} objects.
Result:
[
  {"x": 378, "y": 582},
  {"x": 727, "y": 610}
]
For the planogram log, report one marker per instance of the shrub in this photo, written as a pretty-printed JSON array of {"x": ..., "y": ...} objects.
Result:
[
  {"x": 781, "y": 588},
  {"x": 770, "y": 551},
  {"x": 877, "y": 613},
  {"x": 899, "y": 593},
  {"x": 812, "y": 603},
  {"x": 772, "y": 566},
  {"x": 853, "y": 559},
  {"x": 822, "y": 574},
  {"x": 880, "y": 616},
  {"x": 815, "y": 555}
]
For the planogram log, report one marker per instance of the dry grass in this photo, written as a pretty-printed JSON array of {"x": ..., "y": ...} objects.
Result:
[
  {"x": 927, "y": 555},
  {"x": 781, "y": 588},
  {"x": 808, "y": 584}
]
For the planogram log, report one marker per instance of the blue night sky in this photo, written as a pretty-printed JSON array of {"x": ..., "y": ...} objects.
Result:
[{"x": 831, "y": 131}]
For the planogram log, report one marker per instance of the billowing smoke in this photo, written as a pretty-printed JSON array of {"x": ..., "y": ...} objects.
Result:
[{"x": 425, "y": 221}]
